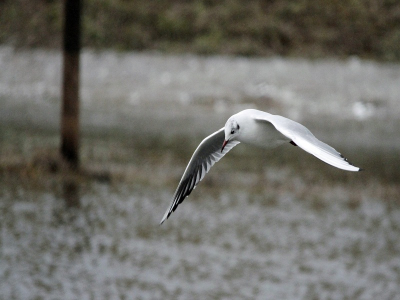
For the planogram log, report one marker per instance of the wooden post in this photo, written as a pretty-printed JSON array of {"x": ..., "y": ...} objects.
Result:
[{"x": 70, "y": 85}]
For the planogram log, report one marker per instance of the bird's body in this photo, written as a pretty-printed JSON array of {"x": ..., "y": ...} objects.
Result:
[
  {"x": 254, "y": 134},
  {"x": 256, "y": 128}
]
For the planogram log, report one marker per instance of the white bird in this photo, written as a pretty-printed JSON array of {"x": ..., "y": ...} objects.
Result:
[{"x": 257, "y": 128}]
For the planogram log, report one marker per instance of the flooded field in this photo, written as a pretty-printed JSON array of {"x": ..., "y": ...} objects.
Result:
[{"x": 275, "y": 224}]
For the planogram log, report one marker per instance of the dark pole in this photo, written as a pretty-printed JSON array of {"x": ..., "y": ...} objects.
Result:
[{"x": 70, "y": 88}]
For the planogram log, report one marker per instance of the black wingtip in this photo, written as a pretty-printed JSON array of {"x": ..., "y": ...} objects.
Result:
[{"x": 361, "y": 169}]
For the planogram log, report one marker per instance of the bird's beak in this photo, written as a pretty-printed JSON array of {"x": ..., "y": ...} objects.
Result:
[{"x": 224, "y": 144}]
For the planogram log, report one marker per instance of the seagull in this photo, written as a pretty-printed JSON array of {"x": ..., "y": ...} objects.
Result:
[{"x": 257, "y": 128}]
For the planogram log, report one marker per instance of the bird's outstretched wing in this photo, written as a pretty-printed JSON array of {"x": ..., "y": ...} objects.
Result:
[
  {"x": 303, "y": 138},
  {"x": 205, "y": 156}
]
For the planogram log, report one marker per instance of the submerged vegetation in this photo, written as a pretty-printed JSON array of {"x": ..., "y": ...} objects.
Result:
[{"x": 368, "y": 28}]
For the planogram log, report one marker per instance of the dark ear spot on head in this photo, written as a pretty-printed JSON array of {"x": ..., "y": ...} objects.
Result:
[{"x": 238, "y": 127}]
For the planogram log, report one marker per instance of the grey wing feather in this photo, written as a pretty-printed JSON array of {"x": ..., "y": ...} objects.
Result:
[
  {"x": 205, "y": 156},
  {"x": 303, "y": 138}
]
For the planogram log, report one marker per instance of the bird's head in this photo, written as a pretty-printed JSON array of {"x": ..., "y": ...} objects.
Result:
[{"x": 232, "y": 130}]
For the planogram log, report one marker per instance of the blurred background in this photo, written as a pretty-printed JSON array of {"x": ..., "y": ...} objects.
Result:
[{"x": 156, "y": 77}]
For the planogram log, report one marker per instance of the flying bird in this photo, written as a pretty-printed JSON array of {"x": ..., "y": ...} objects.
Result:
[{"x": 256, "y": 128}]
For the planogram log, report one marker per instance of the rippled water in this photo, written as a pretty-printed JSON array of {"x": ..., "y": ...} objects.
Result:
[
  {"x": 262, "y": 225},
  {"x": 220, "y": 244}
]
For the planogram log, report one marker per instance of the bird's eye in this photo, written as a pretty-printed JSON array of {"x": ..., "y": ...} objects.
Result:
[{"x": 232, "y": 131}]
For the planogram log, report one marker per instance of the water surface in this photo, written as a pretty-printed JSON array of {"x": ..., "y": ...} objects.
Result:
[{"x": 273, "y": 224}]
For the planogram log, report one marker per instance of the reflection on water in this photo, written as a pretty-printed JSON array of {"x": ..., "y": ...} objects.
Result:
[{"x": 218, "y": 245}]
